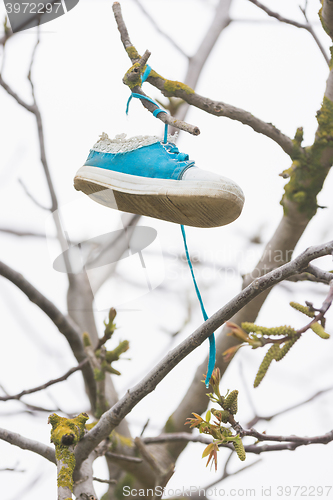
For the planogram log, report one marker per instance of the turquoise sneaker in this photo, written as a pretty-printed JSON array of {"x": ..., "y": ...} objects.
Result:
[{"x": 143, "y": 175}]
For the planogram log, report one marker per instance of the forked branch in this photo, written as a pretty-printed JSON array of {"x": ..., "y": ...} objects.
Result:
[
  {"x": 118, "y": 412},
  {"x": 171, "y": 88}
]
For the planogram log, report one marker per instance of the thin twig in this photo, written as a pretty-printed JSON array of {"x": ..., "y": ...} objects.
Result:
[
  {"x": 313, "y": 274},
  {"x": 159, "y": 30},
  {"x": 27, "y": 192},
  {"x": 285, "y": 20},
  {"x": 20, "y": 233},
  {"x": 8, "y": 469},
  {"x": 268, "y": 418},
  {"x": 31, "y": 64},
  {"x": 165, "y": 117},
  {"x": 123, "y": 458},
  {"x": 107, "y": 481},
  {"x": 47, "y": 384},
  {"x": 132, "y": 76}
]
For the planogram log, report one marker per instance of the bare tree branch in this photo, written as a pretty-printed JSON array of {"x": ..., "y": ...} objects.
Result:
[
  {"x": 287, "y": 442},
  {"x": 277, "y": 16},
  {"x": 36, "y": 202},
  {"x": 165, "y": 117},
  {"x": 159, "y": 30},
  {"x": 9, "y": 469},
  {"x": 64, "y": 324},
  {"x": 107, "y": 481},
  {"x": 186, "y": 93},
  {"x": 313, "y": 274},
  {"x": 123, "y": 458},
  {"x": 111, "y": 418},
  {"x": 20, "y": 233},
  {"x": 267, "y": 418},
  {"x": 8, "y": 89},
  {"x": 47, "y": 384},
  {"x": 28, "y": 444},
  {"x": 306, "y": 26}
]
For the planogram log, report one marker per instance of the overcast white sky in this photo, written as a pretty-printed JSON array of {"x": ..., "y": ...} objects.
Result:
[{"x": 274, "y": 71}]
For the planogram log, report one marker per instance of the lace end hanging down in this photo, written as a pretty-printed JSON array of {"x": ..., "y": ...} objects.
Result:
[{"x": 212, "y": 347}]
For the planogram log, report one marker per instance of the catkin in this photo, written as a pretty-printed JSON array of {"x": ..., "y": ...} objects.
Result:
[
  {"x": 283, "y": 350},
  {"x": 319, "y": 330},
  {"x": 269, "y": 356},
  {"x": 278, "y": 330},
  {"x": 239, "y": 448},
  {"x": 303, "y": 309},
  {"x": 230, "y": 402}
]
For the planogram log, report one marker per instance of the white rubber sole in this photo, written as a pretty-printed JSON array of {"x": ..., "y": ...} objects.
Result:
[{"x": 192, "y": 203}]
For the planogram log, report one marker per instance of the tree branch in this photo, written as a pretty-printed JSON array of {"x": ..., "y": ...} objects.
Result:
[
  {"x": 64, "y": 324},
  {"x": 27, "y": 192},
  {"x": 10, "y": 91},
  {"x": 287, "y": 442},
  {"x": 159, "y": 30},
  {"x": 28, "y": 444},
  {"x": 111, "y": 418},
  {"x": 277, "y": 16},
  {"x": 326, "y": 16},
  {"x": 20, "y": 233},
  {"x": 47, "y": 384},
  {"x": 285, "y": 20},
  {"x": 267, "y": 418},
  {"x": 218, "y": 108}
]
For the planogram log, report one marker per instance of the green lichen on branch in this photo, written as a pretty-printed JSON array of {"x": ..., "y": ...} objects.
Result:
[
  {"x": 62, "y": 427},
  {"x": 310, "y": 165},
  {"x": 65, "y": 474},
  {"x": 172, "y": 88},
  {"x": 133, "y": 54},
  {"x": 65, "y": 434},
  {"x": 132, "y": 77},
  {"x": 325, "y": 27},
  {"x": 99, "y": 375}
]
